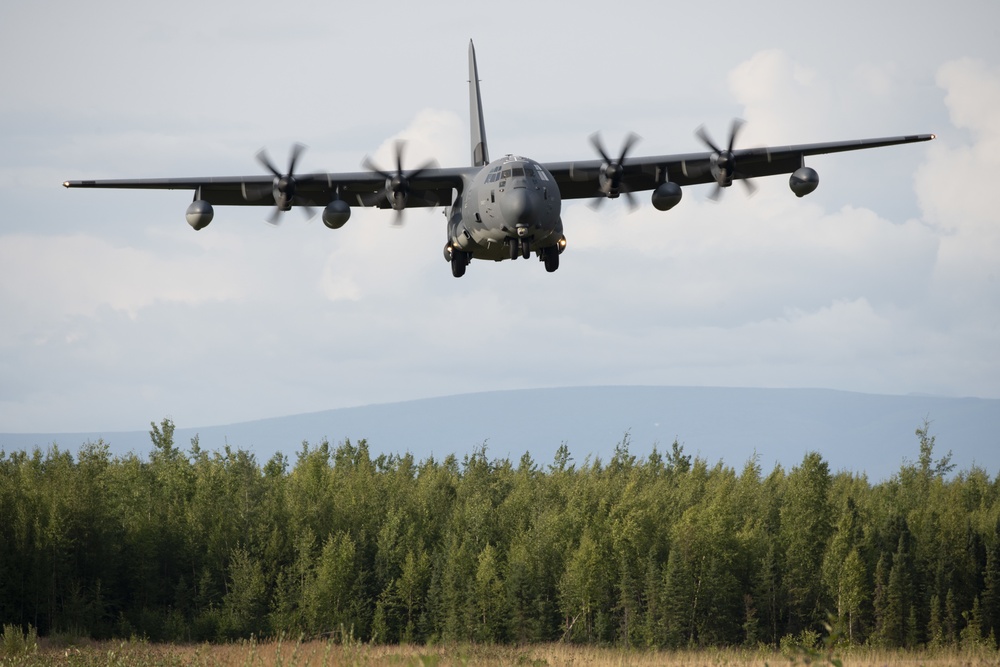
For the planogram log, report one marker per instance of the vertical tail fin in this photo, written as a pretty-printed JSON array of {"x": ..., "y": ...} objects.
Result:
[{"x": 480, "y": 154}]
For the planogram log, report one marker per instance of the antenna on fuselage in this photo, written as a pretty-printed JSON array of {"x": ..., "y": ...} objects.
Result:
[{"x": 480, "y": 154}]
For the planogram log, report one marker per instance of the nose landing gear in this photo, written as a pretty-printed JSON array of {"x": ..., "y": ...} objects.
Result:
[{"x": 520, "y": 247}]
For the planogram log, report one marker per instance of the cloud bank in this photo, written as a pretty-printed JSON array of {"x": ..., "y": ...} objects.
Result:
[{"x": 129, "y": 317}]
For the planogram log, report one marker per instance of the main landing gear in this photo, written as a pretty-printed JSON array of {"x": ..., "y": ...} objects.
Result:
[
  {"x": 550, "y": 255},
  {"x": 459, "y": 260}
]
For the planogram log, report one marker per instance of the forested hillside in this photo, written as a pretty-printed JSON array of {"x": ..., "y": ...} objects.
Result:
[{"x": 660, "y": 550}]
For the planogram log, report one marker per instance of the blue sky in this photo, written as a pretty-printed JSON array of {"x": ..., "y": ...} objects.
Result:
[{"x": 116, "y": 313}]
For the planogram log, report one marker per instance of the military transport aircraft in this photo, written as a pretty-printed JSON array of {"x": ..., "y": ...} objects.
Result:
[{"x": 505, "y": 208}]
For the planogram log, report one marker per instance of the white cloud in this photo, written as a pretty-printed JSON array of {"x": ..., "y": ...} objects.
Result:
[
  {"x": 878, "y": 79},
  {"x": 863, "y": 285},
  {"x": 783, "y": 99},
  {"x": 372, "y": 256},
  {"x": 954, "y": 187},
  {"x": 65, "y": 276},
  {"x": 961, "y": 168}
]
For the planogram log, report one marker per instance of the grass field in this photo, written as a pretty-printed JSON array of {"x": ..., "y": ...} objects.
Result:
[{"x": 316, "y": 653}]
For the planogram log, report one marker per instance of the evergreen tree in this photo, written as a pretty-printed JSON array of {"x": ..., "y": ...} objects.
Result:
[
  {"x": 662, "y": 551},
  {"x": 806, "y": 528},
  {"x": 244, "y": 603},
  {"x": 488, "y": 590},
  {"x": 990, "y": 606},
  {"x": 950, "y": 619},
  {"x": 853, "y": 592},
  {"x": 678, "y": 602},
  {"x": 935, "y": 627},
  {"x": 880, "y": 601}
]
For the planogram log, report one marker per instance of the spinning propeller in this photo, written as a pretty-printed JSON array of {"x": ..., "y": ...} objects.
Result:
[
  {"x": 397, "y": 185},
  {"x": 612, "y": 171},
  {"x": 284, "y": 184},
  {"x": 723, "y": 162}
]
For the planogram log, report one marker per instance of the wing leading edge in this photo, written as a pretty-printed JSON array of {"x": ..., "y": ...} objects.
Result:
[
  {"x": 434, "y": 187},
  {"x": 582, "y": 179},
  {"x": 437, "y": 187}
]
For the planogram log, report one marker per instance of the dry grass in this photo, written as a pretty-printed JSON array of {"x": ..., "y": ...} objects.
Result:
[{"x": 317, "y": 653}]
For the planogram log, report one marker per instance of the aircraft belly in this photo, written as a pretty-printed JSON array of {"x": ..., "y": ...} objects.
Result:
[
  {"x": 491, "y": 243},
  {"x": 490, "y": 246}
]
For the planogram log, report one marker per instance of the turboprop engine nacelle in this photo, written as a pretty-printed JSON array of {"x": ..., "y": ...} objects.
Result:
[
  {"x": 803, "y": 181},
  {"x": 336, "y": 214},
  {"x": 199, "y": 214}
]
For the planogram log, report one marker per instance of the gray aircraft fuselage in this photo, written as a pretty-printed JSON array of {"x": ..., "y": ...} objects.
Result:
[{"x": 510, "y": 207}]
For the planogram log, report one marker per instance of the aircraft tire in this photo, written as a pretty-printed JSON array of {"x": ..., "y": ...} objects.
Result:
[{"x": 458, "y": 263}]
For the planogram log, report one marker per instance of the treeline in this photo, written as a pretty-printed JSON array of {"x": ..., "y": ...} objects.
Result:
[{"x": 660, "y": 551}]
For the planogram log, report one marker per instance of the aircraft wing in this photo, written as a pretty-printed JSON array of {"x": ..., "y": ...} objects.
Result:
[
  {"x": 432, "y": 187},
  {"x": 581, "y": 179}
]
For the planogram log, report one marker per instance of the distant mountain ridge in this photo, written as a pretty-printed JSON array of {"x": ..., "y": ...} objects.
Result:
[{"x": 852, "y": 431}]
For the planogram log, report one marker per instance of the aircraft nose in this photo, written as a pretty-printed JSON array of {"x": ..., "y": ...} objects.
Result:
[{"x": 517, "y": 207}]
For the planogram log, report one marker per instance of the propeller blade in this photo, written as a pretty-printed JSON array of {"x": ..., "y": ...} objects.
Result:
[
  {"x": 633, "y": 203},
  {"x": 595, "y": 141},
  {"x": 723, "y": 163},
  {"x": 265, "y": 161},
  {"x": 597, "y": 202},
  {"x": 416, "y": 173},
  {"x": 397, "y": 186},
  {"x": 293, "y": 158},
  {"x": 284, "y": 184},
  {"x": 399, "y": 156},
  {"x": 275, "y": 217},
  {"x": 737, "y": 125},
  {"x": 702, "y": 134},
  {"x": 630, "y": 141},
  {"x": 371, "y": 166},
  {"x": 307, "y": 210},
  {"x": 612, "y": 171}
]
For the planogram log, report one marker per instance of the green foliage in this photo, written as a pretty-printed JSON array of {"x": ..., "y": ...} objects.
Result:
[
  {"x": 662, "y": 551},
  {"x": 16, "y": 643},
  {"x": 806, "y": 528},
  {"x": 812, "y": 648}
]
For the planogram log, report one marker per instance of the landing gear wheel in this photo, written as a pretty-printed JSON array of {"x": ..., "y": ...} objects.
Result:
[
  {"x": 458, "y": 263},
  {"x": 512, "y": 242},
  {"x": 552, "y": 260},
  {"x": 525, "y": 248}
]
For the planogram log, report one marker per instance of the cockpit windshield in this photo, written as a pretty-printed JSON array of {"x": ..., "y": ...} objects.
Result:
[{"x": 516, "y": 170}]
